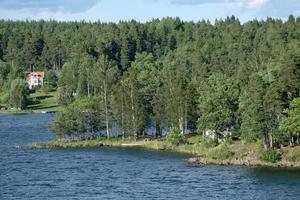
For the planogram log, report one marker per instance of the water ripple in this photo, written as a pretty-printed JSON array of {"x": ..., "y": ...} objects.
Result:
[{"x": 104, "y": 173}]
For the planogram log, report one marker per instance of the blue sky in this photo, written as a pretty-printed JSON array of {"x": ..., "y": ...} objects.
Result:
[{"x": 145, "y": 10}]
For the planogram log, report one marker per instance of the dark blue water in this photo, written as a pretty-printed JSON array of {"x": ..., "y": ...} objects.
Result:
[{"x": 102, "y": 173}]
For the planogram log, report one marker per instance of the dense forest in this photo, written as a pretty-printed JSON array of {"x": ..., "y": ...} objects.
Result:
[{"x": 120, "y": 79}]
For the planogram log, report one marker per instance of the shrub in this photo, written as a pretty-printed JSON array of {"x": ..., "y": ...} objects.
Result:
[
  {"x": 4, "y": 98},
  {"x": 271, "y": 156},
  {"x": 196, "y": 139},
  {"x": 208, "y": 143},
  {"x": 293, "y": 156},
  {"x": 174, "y": 137},
  {"x": 46, "y": 89},
  {"x": 221, "y": 152}
]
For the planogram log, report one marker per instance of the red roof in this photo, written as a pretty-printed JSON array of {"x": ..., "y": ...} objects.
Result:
[{"x": 40, "y": 74}]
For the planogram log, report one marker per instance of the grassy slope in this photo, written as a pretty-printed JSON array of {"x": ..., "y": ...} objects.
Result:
[
  {"x": 44, "y": 102},
  {"x": 40, "y": 102},
  {"x": 235, "y": 153}
]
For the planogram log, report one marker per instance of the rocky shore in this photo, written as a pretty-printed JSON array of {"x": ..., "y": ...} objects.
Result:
[
  {"x": 242, "y": 162},
  {"x": 231, "y": 154}
]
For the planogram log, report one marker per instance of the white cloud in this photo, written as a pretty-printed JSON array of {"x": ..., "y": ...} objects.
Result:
[
  {"x": 256, "y": 3},
  {"x": 238, "y": 7},
  {"x": 246, "y": 4}
]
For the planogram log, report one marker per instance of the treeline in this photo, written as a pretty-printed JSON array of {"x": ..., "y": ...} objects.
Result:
[{"x": 122, "y": 78}]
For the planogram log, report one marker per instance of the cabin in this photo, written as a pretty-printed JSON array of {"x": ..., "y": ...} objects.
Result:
[{"x": 35, "y": 79}]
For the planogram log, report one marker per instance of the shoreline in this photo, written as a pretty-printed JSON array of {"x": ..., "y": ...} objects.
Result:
[
  {"x": 40, "y": 102},
  {"x": 253, "y": 163},
  {"x": 27, "y": 112},
  {"x": 158, "y": 145}
]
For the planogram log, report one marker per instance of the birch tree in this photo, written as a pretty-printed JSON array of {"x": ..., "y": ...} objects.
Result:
[{"x": 106, "y": 74}]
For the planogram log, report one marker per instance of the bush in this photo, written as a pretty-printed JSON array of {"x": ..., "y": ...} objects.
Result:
[
  {"x": 221, "y": 152},
  {"x": 174, "y": 137},
  {"x": 46, "y": 89},
  {"x": 19, "y": 93},
  {"x": 208, "y": 143},
  {"x": 271, "y": 156},
  {"x": 195, "y": 139},
  {"x": 4, "y": 98},
  {"x": 293, "y": 156}
]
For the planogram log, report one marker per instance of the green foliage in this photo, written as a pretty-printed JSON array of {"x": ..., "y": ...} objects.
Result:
[
  {"x": 174, "y": 137},
  {"x": 19, "y": 94},
  {"x": 77, "y": 120},
  {"x": 208, "y": 143},
  {"x": 293, "y": 156},
  {"x": 4, "y": 98},
  {"x": 270, "y": 155},
  {"x": 50, "y": 81},
  {"x": 220, "y": 152},
  {"x": 65, "y": 96},
  {"x": 218, "y": 103},
  {"x": 252, "y": 109},
  {"x": 168, "y": 72},
  {"x": 4, "y": 71},
  {"x": 290, "y": 125},
  {"x": 67, "y": 84}
]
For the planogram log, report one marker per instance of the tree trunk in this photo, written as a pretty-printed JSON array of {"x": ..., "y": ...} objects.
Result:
[
  {"x": 88, "y": 89},
  {"x": 59, "y": 61},
  {"x": 122, "y": 119},
  {"x": 106, "y": 109},
  {"x": 266, "y": 140},
  {"x": 291, "y": 140},
  {"x": 181, "y": 125},
  {"x": 133, "y": 114},
  {"x": 157, "y": 130},
  {"x": 270, "y": 140},
  {"x": 185, "y": 121}
]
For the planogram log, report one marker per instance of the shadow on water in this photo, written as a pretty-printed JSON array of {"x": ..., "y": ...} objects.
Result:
[{"x": 265, "y": 173}]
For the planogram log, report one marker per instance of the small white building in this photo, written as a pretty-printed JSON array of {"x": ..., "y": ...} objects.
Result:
[
  {"x": 213, "y": 135},
  {"x": 35, "y": 79}
]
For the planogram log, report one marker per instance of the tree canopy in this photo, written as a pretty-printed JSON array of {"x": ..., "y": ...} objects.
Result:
[{"x": 164, "y": 73}]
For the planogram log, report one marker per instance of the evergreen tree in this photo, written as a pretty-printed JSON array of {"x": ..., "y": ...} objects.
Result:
[{"x": 19, "y": 94}]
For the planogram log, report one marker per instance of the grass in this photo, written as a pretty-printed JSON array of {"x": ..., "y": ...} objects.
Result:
[
  {"x": 196, "y": 145},
  {"x": 290, "y": 154},
  {"x": 271, "y": 156},
  {"x": 44, "y": 102},
  {"x": 40, "y": 102},
  {"x": 234, "y": 153},
  {"x": 81, "y": 143}
]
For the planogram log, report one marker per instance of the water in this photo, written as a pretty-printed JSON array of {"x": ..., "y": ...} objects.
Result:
[{"x": 104, "y": 173}]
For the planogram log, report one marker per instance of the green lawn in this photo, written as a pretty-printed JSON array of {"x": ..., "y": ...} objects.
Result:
[{"x": 41, "y": 102}]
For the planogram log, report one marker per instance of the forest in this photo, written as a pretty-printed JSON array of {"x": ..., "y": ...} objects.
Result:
[{"x": 131, "y": 78}]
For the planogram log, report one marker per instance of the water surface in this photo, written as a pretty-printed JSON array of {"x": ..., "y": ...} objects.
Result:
[{"x": 107, "y": 173}]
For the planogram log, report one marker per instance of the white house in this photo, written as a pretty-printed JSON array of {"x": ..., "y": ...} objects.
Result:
[
  {"x": 35, "y": 79},
  {"x": 213, "y": 135}
]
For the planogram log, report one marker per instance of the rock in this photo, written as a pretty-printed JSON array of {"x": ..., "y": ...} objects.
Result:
[
  {"x": 195, "y": 160},
  {"x": 133, "y": 145}
]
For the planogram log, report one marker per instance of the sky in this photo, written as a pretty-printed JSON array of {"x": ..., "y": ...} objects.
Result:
[{"x": 146, "y": 10}]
